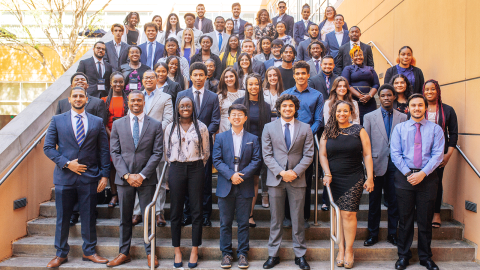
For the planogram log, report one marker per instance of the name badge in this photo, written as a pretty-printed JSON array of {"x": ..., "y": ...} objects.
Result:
[
  {"x": 101, "y": 85},
  {"x": 133, "y": 84}
]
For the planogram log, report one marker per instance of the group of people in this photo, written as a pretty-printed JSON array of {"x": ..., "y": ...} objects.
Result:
[{"x": 248, "y": 102}]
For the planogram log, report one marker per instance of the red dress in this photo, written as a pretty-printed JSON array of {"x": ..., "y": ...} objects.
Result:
[{"x": 116, "y": 109}]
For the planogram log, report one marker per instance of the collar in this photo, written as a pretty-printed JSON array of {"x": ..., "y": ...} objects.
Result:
[
  {"x": 240, "y": 134},
  {"x": 163, "y": 86},
  {"x": 281, "y": 16},
  {"x": 305, "y": 21},
  {"x": 277, "y": 60},
  {"x": 410, "y": 68},
  {"x": 202, "y": 90},
  {"x": 152, "y": 42},
  {"x": 216, "y": 32},
  {"x": 140, "y": 117},
  {"x": 96, "y": 60},
  {"x": 306, "y": 89},
  {"x": 291, "y": 122},
  {"x": 151, "y": 95},
  {"x": 385, "y": 111},
  {"x": 317, "y": 60},
  {"x": 413, "y": 122},
  {"x": 341, "y": 32},
  {"x": 351, "y": 43},
  {"x": 83, "y": 114},
  {"x": 117, "y": 44}
]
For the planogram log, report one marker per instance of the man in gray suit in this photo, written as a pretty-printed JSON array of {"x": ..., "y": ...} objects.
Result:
[
  {"x": 136, "y": 148},
  {"x": 316, "y": 50},
  {"x": 379, "y": 125},
  {"x": 116, "y": 50},
  {"x": 219, "y": 36},
  {"x": 287, "y": 157}
]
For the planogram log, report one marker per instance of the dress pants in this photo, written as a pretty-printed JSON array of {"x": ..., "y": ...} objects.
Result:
[
  {"x": 162, "y": 195},
  {"x": 438, "y": 200},
  {"x": 422, "y": 199},
  {"x": 186, "y": 178},
  {"x": 65, "y": 199},
  {"x": 126, "y": 198},
  {"x": 308, "y": 195},
  {"x": 387, "y": 183},
  {"x": 207, "y": 192},
  {"x": 234, "y": 202},
  {"x": 277, "y": 196}
]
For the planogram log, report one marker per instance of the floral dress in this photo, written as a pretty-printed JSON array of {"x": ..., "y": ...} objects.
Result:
[
  {"x": 225, "y": 103},
  {"x": 268, "y": 30}
]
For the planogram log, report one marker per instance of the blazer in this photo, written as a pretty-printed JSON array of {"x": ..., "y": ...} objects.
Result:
[
  {"x": 288, "y": 20},
  {"x": 209, "y": 110},
  {"x": 257, "y": 67},
  {"x": 270, "y": 62},
  {"x": 207, "y": 25},
  {"x": 313, "y": 69},
  {"x": 276, "y": 155},
  {"x": 111, "y": 55},
  {"x": 261, "y": 57},
  {"x": 93, "y": 152},
  {"x": 241, "y": 28},
  {"x": 94, "y": 106},
  {"x": 322, "y": 24},
  {"x": 158, "y": 53},
  {"x": 332, "y": 42},
  {"x": 223, "y": 156},
  {"x": 214, "y": 47},
  {"x": 299, "y": 31},
  {"x": 302, "y": 49},
  {"x": 317, "y": 82},
  {"x": 343, "y": 58},
  {"x": 88, "y": 67},
  {"x": 218, "y": 63},
  {"x": 172, "y": 88},
  {"x": 419, "y": 79},
  {"x": 379, "y": 139},
  {"x": 145, "y": 158},
  {"x": 161, "y": 108}
]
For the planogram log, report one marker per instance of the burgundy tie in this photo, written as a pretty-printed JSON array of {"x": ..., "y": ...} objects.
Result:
[{"x": 417, "y": 150}]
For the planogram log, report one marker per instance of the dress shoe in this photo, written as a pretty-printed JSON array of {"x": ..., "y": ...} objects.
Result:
[
  {"x": 160, "y": 219},
  {"x": 119, "y": 260},
  {"x": 148, "y": 262},
  {"x": 136, "y": 219},
  {"x": 265, "y": 202},
  {"x": 226, "y": 261},
  {"x": 243, "y": 262},
  {"x": 192, "y": 265},
  {"x": 56, "y": 262},
  {"x": 392, "y": 239},
  {"x": 94, "y": 258},
  {"x": 271, "y": 262},
  {"x": 429, "y": 264},
  {"x": 371, "y": 241},
  {"x": 325, "y": 208},
  {"x": 302, "y": 262},
  {"x": 287, "y": 223},
  {"x": 306, "y": 225},
  {"x": 178, "y": 265},
  {"x": 186, "y": 221},
  {"x": 74, "y": 219},
  {"x": 401, "y": 264},
  {"x": 207, "y": 222}
]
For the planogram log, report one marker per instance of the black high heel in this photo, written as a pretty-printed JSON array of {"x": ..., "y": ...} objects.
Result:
[{"x": 252, "y": 225}]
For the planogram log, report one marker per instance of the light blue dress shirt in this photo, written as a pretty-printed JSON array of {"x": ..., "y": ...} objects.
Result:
[
  {"x": 311, "y": 106},
  {"x": 148, "y": 99}
]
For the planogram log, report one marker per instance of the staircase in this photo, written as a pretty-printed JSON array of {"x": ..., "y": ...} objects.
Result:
[{"x": 36, "y": 250}]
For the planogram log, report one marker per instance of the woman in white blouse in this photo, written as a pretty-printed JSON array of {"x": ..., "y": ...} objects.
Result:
[
  {"x": 340, "y": 91},
  {"x": 172, "y": 29},
  {"x": 187, "y": 150},
  {"x": 228, "y": 92},
  {"x": 272, "y": 89}
]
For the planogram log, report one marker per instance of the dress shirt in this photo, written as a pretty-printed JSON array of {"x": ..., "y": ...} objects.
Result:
[
  {"x": 74, "y": 121},
  {"x": 118, "y": 47},
  {"x": 387, "y": 120},
  {"x": 351, "y": 44},
  {"x": 236, "y": 22},
  {"x": 402, "y": 146},
  {"x": 101, "y": 64},
  {"x": 339, "y": 36},
  {"x": 216, "y": 36},
  {"x": 311, "y": 106},
  {"x": 291, "y": 128},
  {"x": 148, "y": 99},
  {"x": 237, "y": 142},
  {"x": 408, "y": 72},
  {"x": 202, "y": 91},
  {"x": 188, "y": 150},
  {"x": 280, "y": 17},
  {"x": 277, "y": 62},
  {"x": 172, "y": 34},
  {"x": 162, "y": 87},
  {"x": 305, "y": 23},
  {"x": 154, "y": 46}
]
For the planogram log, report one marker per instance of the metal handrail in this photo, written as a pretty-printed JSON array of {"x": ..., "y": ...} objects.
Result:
[
  {"x": 467, "y": 160},
  {"x": 37, "y": 142},
  {"x": 375, "y": 45},
  {"x": 151, "y": 206},
  {"x": 318, "y": 10}
]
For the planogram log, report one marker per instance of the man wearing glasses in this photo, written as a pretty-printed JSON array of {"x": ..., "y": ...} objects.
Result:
[
  {"x": 283, "y": 16},
  {"x": 98, "y": 71}
]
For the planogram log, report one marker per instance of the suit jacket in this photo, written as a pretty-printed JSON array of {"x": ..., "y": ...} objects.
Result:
[
  {"x": 257, "y": 67},
  {"x": 375, "y": 127},
  {"x": 218, "y": 63},
  {"x": 214, "y": 47},
  {"x": 172, "y": 88},
  {"x": 93, "y": 152},
  {"x": 241, "y": 28},
  {"x": 223, "y": 159},
  {"x": 261, "y": 57},
  {"x": 317, "y": 82},
  {"x": 269, "y": 63},
  {"x": 207, "y": 25},
  {"x": 332, "y": 42},
  {"x": 111, "y": 55},
  {"x": 209, "y": 110},
  {"x": 161, "y": 108},
  {"x": 145, "y": 158},
  {"x": 343, "y": 58},
  {"x": 299, "y": 31},
  {"x": 276, "y": 155},
  {"x": 302, "y": 49},
  {"x": 88, "y": 67},
  {"x": 313, "y": 69},
  {"x": 288, "y": 20},
  {"x": 158, "y": 53},
  {"x": 94, "y": 106},
  {"x": 417, "y": 73}
]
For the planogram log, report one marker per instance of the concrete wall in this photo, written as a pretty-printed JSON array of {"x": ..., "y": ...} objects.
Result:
[{"x": 443, "y": 35}]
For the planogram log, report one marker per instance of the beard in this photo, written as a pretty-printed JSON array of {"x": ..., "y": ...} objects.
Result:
[{"x": 79, "y": 107}]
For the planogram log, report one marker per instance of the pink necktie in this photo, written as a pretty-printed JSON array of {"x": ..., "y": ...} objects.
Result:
[
  {"x": 200, "y": 24},
  {"x": 417, "y": 150}
]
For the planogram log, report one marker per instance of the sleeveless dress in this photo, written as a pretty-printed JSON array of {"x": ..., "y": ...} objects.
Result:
[{"x": 345, "y": 161}]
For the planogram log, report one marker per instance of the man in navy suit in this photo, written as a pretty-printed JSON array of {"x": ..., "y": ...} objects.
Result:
[
  {"x": 284, "y": 17},
  {"x": 82, "y": 158},
  {"x": 238, "y": 23},
  {"x": 302, "y": 49},
  {"x": 236, "y": 156},
  {"x": 337, "y": 38},
  {"x": 208, "y": 113},
  {"x": 300, "y": 29},
  {"x": 343, "y": 58},
  {"x": 116, "y": 50},
  {"x": 97, "y": 70},
  {"x": 152, "y": 50},
  {"x": 276, "y": 60}
]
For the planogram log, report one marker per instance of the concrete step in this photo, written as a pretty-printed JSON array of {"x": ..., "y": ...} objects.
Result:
[
  {"x": 39, "y": 263},
  {"x": 450, "y": 230},
  {"x": 318, "y": 250}
]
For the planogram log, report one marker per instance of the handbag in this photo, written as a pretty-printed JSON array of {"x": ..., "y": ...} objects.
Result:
[{"x": 104, "y": 196}]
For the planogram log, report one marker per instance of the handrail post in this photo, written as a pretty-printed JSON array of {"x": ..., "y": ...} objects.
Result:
[{"x": 316, "y": 185}]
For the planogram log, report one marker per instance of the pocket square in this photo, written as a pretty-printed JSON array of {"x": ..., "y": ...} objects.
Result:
[{"x": 249, "y": 142}]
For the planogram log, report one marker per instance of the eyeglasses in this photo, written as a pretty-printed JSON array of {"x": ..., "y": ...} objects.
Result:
[
  {"x": 241, "y": 115},
  {"x": 149, "y": 78},
  {"x": 282, "y": 7}
]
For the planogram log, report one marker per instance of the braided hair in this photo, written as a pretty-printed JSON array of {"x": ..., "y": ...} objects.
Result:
[
  {"x": 178, "y": 76},
  {"x": 332, "y": 130},
  {"x": 110, "y": 95},
  {"x": 439, "y": 103},
  {"x": 261, "y": 102}
]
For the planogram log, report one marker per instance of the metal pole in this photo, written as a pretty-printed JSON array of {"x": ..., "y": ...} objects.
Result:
[
  {"x": 316, "y": 185},
  {"x": 154, "y": 233}
]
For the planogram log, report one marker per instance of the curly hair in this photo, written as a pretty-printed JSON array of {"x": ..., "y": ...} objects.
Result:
[
  {"x": 259, "y": 13},
  {"x": 316, "y": 41},
  {"x": 333, "y": 97},
  {"x": 354, "y": 50},
  {"x": 110, "y": 95},
  {"x": 282, "y": 98},
  {"x": 332, "y": 130}
]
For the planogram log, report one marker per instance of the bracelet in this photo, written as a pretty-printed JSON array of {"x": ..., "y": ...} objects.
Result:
[{"x": 328, "y": 175}]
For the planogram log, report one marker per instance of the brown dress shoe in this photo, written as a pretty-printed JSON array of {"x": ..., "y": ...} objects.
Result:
[
  {"x": 161, "y": 222},
  {"x": 265, "y": 203},
  {"x": 56, "y": 262},
  {"x": 120, "y": 259},
  {"x": 94, "y": 258},
  {"x": 156, "y": 261},
  {"x": 136, "y": 219}
]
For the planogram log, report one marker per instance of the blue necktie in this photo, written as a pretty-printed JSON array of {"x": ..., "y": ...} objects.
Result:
[
  {"x": 317, "y": 66},
  {"x": 388, "y": 124},
  {"x": 136, "y": 133},
  {"x": 149, "y": 55},
  {"x": 220, "y": 40},
  {"x": 80, "y": 130},
  {"x": 288, "y": 140}
]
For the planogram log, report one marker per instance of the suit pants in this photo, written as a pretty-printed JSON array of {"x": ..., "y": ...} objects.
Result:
[
  {"x": 423, "y": 200},
  {"x": 126, "y": 198},
  {"x": 308, "y": 195},
  {"x": 186, "y": 178},
  {"x": 277, "y": 196},
  {"x": 234, "y": 202},
  {"x": 207, "y": 192},
  {"x": 387, "y": 183},
  {"x": 65, "y": 199},
  {"x": 162, "y": 195},
  {"x": 438, "y": 200}
]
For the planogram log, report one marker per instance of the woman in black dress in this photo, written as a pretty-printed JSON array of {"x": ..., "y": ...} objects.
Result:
[
  {"x": 342, "y": 148},
  {"x": 131, "y": 36},
  {"x": 403, "y": 88}
]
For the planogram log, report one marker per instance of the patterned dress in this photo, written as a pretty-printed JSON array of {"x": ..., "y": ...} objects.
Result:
[
  {"x": 268, "y": 30},
  {"x": 225, "y": 103}
]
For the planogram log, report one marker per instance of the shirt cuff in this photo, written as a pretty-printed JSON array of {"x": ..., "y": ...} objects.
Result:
[{"x": 143, "y": 176}]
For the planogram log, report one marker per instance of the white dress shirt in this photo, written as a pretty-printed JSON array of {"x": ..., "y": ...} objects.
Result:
[
  {"x": 305, "y": 22},
  {"x": 75, "y": 119},
  {"x": 118, "y": 47},
  {"x": 216, "y": 35},
  {"x": 172, "y": 34},
  {"x": 351, "y": 44},
  {"x": 339, "y": 36},
  {"x": 101, "y": 64},
  {"x": 202, "y": 91},
  {"x": 291, "y": 127},
  {"x": 237, "y": 142}
]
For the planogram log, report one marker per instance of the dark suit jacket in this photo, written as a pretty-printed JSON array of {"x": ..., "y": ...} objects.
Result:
[
  {"x": 218, "y": 63},
  {"x": 320, "y": 26},
  {"x": 94, "y": 106},
  {"x": 172, "y": 88},
  {"x": 332, "y": 42},
  {"x": 88, "y": 67},
  {"x": 288, "y": 20},
  {"x": 299, "y": 31},
  {"x": 302, "y": 49},
  {"x": 207, "y": 25},
  {"x": 419, "y": 80},
  {"x": 257, "y": 67},
  {"x": 269, "y": 63},
  {"x": 158, "y": 53},
  {"x": 241, "y": 28},
  {"x": 145, "y": 158},
  {"x": 223, "y": 156},
  {"x": 209, "y": 110},
  {"x": 343, "y": 58},
  {"x": 111, "y": 55},
  {"x": 93, "y": 152},
  {"x": 317, "y": 82}
]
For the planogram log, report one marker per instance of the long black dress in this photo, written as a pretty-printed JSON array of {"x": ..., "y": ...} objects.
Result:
[{"x": 345, "y": 161}]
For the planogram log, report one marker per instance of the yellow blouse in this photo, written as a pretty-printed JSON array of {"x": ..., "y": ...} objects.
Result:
[{"x": 230, "y": 60}]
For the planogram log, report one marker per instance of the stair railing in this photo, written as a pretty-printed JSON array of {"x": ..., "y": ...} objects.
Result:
[{"x": 371, "y": 43}]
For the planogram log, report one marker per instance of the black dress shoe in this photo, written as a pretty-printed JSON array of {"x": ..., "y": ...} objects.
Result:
[
  {"x": 401, "y": 264},
  {"x": 429, "y": 264},
  {"x": 74, "y": 219},
  {"x": 371, "y": 241},
  {"x": 186, "y": 221},
  {"x": 207, "y": 222},
  {"x": 271, "y": 262},
  {"x": 392, "y": 239},
  {"x": 302, "y": 262}
]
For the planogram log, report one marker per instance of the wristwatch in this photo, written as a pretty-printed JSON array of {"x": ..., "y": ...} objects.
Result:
[
  {"x": 66, "y": 164},
  {"x": 408, "y": 174},
  {"x": 125, "y": 176}
]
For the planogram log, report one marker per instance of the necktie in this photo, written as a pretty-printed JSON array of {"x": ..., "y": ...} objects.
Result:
[
  {"x": 220, "y": 40},
  {"x": 306, "y": 25},
  {"x": 417, "y": 150},
  {"x": 99, "y": 67},
  {"x": 136, "y": 131},
  {"x": 149, "y": 55},
  {"x": 288, "y": 140},
  {"x": 80, "y": 130},
  {"x": 327, "y": 82},
  {"x": 317, "y": 66},
  {"x": 197, "y": 102},
  {"x": 236, "y": 26},
  {"x": 386, "y": 121},
  {"x": 200, "y": 24}
]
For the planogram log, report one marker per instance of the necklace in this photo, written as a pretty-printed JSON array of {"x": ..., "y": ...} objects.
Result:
[{"x": 254, "y": 102}]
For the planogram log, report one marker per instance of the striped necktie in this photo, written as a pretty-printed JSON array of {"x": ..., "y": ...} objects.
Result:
[{"x": 80, "y": 130}]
